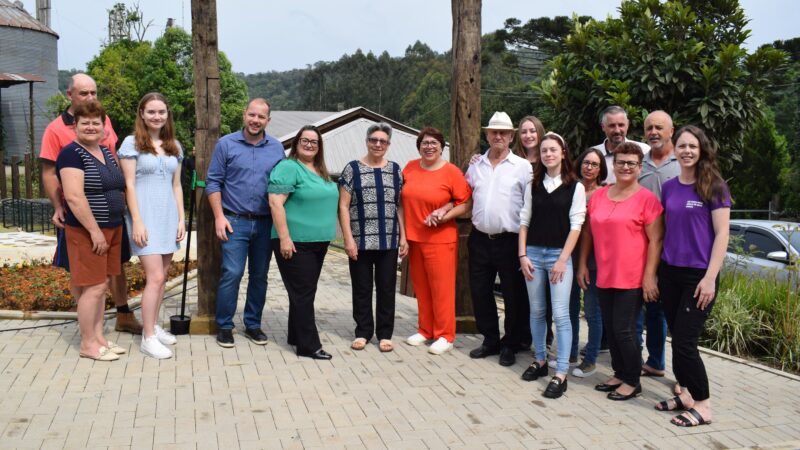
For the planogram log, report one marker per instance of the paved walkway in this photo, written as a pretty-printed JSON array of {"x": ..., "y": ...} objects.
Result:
[{"x": 266, "y": 397}]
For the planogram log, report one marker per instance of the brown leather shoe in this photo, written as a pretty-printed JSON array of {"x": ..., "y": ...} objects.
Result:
[{"x": 127, "y": 323}]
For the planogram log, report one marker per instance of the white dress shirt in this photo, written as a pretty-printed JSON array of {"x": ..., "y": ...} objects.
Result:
[
  {"x": 611, "y": 178},
  {"x": 577, "y": 211},
  {"x": 497, "y": 192}
]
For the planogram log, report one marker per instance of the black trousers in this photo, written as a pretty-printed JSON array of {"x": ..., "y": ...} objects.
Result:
[
  {"x": 620, "y": 308},
  {"x": 380, "y": 266},
  {"x": 488, "y": 258},
  {"x": 686, "y": 323},
  {"x": 300, "y": 275}
]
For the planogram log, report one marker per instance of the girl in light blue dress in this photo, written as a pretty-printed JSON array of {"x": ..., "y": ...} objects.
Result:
[{"x": 151, "y": 160}]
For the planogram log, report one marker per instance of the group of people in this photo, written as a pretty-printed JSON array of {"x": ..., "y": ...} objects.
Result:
[{"x": 629, "y": 224}]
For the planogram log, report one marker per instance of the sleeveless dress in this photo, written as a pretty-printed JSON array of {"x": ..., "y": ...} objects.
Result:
[{"x": 155, "y": 199}]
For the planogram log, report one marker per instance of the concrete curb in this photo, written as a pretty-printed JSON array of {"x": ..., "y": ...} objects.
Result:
[{"x": 134, "y": 302}]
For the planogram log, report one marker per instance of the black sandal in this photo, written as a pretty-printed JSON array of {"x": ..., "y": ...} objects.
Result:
[
  {"x": 664, "y": 404},
  {"x": 683, "y": 420}
]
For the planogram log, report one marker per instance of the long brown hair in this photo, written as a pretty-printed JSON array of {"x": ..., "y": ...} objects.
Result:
[
  {"x": 519, "y": 150},
  {"x": 319, "y": 158},
  {"x": 567, "y": 174},
  {"x": 167, "y": 133},
  {"x": 709, "y": 184}
]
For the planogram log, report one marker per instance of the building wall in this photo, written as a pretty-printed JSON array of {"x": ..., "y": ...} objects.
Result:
[{"x": 33, "y": 52}]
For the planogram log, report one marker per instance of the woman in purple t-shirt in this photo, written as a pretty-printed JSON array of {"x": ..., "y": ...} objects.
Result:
[{"x": 697, "y": 210}]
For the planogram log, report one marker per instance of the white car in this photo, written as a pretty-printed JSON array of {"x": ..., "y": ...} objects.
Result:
[{"x": 769, "y": 246}]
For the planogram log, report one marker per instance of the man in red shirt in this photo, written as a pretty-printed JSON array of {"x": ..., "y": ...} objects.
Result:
[{"x": 58, "y": 134}]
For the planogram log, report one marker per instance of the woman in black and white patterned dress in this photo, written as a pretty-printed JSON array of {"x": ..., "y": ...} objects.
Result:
[{"x": 374, "y": 236}]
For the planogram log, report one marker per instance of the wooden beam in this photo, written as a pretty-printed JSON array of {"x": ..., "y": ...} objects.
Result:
[
  {"x": 465, "y": 114},
  {"x": 207, "y": 114}
]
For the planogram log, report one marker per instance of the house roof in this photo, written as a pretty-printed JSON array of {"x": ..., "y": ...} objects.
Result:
[
  {"x": 13, "y": 16},
  {"x": 344, "y": 134},
  {"x": 287, "y": 122},
  {"x": 10, "y": 79}
]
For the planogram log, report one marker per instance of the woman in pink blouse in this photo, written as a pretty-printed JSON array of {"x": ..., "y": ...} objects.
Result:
[{"x": 627, "y": 220}]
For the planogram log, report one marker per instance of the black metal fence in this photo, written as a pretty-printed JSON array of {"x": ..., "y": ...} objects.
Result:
[{"x": 31, "y": 215}]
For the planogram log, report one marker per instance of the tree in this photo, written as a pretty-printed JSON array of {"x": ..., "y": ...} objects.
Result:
[
  {"x": 685, "y": 57},
  {"x": 763, "y": 169},
  {"x": 118, "y": 70},
  {"x": 126, "y": 70}
]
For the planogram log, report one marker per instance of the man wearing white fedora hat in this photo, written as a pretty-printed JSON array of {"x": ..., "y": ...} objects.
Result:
[{"x": 498, "y": 179}]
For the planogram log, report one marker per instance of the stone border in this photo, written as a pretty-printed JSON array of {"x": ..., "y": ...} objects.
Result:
[{"x": 134, "y": 302}]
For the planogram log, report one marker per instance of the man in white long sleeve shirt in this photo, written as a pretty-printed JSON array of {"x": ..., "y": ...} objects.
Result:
[{"x": 498, "y": 180}]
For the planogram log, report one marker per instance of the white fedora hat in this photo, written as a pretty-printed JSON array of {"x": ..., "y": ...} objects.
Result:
[{"x": 500, "y": 121}]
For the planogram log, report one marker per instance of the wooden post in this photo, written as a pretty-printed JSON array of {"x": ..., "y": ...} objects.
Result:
[
  {"x": 465, "y": 114},
  {"x": 28, "y": 175},
  {"x": 207, "y": 114},
  {"x": 3, "y": 191},
  {"x": 15, "y": 177}
]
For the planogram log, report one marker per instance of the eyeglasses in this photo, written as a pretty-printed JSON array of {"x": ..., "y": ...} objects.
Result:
[
  {"x": 628, "y": 164},
  {"x": 312, "y": 142},
  {"x": 376, "y": 141},
  {"x": 429, "y": 143},
  {"x": 590, "y": 164}
]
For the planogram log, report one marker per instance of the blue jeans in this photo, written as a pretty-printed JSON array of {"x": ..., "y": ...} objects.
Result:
[
  {"x": 249, "y": 240},
  {"x": 543, "y": 259},
  {"x": 594, "y": 319},
  {"x": 653, "y": 315}
]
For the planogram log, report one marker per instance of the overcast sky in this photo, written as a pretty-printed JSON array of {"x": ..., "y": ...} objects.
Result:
[{"x": 260, "y": 36}]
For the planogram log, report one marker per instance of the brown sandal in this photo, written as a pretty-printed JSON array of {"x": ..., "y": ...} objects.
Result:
[
  {"x": 358, "y": 344},
  {"x": 385, "y": 345}
]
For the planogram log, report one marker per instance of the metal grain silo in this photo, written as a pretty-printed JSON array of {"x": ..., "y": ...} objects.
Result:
[{"x": 27, "y": 46}]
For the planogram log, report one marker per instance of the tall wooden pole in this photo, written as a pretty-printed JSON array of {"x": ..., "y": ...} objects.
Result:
[
  {"x": 465, "y": 114},
  {"x": 207, "y": 113}
]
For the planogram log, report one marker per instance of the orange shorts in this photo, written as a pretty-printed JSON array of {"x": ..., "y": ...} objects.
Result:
[{"x": 86, "y": 267}]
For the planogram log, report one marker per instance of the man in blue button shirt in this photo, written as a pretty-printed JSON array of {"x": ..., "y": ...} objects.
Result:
[{"x": 236, "y": 186}]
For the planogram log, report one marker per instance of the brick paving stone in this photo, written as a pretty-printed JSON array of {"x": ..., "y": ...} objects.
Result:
[{"x": 267, "y": 397}]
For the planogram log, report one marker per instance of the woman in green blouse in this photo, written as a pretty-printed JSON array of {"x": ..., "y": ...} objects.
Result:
[{"x": 304, "y": 201}]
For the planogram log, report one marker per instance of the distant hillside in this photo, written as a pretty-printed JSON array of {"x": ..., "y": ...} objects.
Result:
[{"x": 281, "y": 89}]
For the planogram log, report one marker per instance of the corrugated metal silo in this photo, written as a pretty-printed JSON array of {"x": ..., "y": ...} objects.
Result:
[{"x": 26, "y": 46}]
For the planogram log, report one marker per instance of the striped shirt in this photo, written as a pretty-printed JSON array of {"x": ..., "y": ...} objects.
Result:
[
  {"x": 374, "y": 196},
  {"x": 103, "y": 184}
]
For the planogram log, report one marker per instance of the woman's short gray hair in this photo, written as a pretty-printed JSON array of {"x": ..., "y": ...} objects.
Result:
[{"x": 380, "y": 126}]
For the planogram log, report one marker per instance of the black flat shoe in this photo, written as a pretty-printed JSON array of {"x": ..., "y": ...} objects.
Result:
[
  {"x": 620, "y": 397},
  {"x": 555, "y": 388},
  {"x": 319, "y": 354},
  {"x": 507, "y": 357},
  {"x": 534, "y": 371},
  {"x": 607, "y": 387},
  {"x": 483, "y": 351}
]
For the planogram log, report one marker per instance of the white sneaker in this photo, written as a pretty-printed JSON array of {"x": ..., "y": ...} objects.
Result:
[
  {"x": 154, "y": 348},
  {"x": 440, "y": 346},
  {"x": 165, "y": 336},
  {"x": 416, "y": 339}
]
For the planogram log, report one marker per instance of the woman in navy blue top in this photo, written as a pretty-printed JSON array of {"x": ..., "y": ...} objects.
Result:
[
  {"x": 95, "y": 203},
  {"x": 372, "y": 225}
]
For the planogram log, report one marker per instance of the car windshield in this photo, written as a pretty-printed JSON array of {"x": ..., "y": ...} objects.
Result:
[{"x": 793, "y": 236}]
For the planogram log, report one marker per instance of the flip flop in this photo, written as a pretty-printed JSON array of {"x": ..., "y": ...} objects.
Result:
[
  {"x": 385, "y": 345},
  {"x": 358, "y": 344},
  {"x": 664, "y": 405},
  {"x": 683, "y": 420}
]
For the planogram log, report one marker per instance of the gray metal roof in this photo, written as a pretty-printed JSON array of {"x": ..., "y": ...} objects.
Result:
[
  {"x": 13, "y": 16},
  {"x": 344, "y": 134},
  {"x": 348, "y": 142},
  {"x": 282, "y": 123}
]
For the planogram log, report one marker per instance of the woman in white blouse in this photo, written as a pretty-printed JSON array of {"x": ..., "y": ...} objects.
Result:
[{"x": 550, "y": 224}]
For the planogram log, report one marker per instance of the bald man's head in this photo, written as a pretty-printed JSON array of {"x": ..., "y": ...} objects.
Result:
[
  {"x": 658, "y": 131},
  {"x": 81, "y": 88}
]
